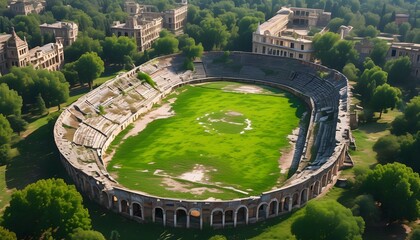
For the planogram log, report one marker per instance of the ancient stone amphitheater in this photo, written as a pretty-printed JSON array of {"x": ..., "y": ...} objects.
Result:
[{"x": 82, "y": 135}]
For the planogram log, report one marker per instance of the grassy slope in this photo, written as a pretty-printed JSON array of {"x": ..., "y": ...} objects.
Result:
[{"x": 176, "y": 144}]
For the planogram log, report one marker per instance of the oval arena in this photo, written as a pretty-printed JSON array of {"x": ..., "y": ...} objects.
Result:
[{"x": 82, "y": 134}]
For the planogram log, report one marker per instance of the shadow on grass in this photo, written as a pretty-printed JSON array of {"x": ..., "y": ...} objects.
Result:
[
  {"x": 374, "y": 127},
  {"x": 38, "y": 159}
]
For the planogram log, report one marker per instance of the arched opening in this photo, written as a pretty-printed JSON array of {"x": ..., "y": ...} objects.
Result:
[
  {"x": 329, "y": 176},
  {"x": 316, "y": 189},
  {"x": 137, "y": 212},
  {"x": 158, "y": 215},
  {"x": 96, "y": 194},
  {"x": 124, "y": 207},
  {"x": 286, "y": 204},
  {"x": 295, "y": 201},
  {"x": 114, "y": 203},
  {"x": 181, "y": 218},
  {"x": 262, "y": 211},
  {"x": 273, "y": 208},
  {"x": 228, "y": 217},
  {"x": 217, "y": 217},
  {"x": 241, "y": 215},
  {"x": 335, "y": 169},
  {"x": 105, "y": 199},
  {"x": 324, "y": 181},
  {"x": 195, "y": 218},
  {"x": 304, "y": 196}
]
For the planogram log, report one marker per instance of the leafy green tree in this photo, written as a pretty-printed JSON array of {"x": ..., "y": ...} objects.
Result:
[
  {"x": 398, "y": 69},
  {"x": 11, "y": 102},
  {"x": 323, "y": 43},
  {"x": 218, "y": 237},
  {"x": 415, "y": 234},
  {"x": 82, "y": 45},
  {"x": 40, "y": 105},
  {"x": 409, "y": 122},
  {"x": 17, "y": 123},
  {"x": 6, "y": 234},
  {"x": 70, "y": 73},
  {"x": 80, "y": 233},
  {"x": 368, "y": 82},
  {"x": 247, "y": 25},
  {"x": 46, "y": 204},
  {"x": 397, "y": 189},
  {"x": 350, "y": 71},
  {"x": 391, "y": 28},
  {"x": 385, "y": 97},
  {"x": 5, "y": 138},
  {"x": 387, "y": 149},
  {"x": 327, "y": 220},
  {"x": 366, "y": 207},
  {"x": 379, "y": 51},
  {"x": 214, "y": 35},
  {"x": 89, "y": 67},
  {"x": 341, "y": 53},
  {"x": 115, "y": 48},
  {"x": 166, "y": 45}
]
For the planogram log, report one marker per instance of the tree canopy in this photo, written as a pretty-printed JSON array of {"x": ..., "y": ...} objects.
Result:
[
  {"x": 398, "y": 69},
  {"x": 397, "y": 188},
  {"x": 385, "y": 97},
  {"x": 89, "y": 67},
  {"x": 409, "y": 122},
  {"x": 116, "y": 48},
  {"x": 47, "y": 205},
  {"x": 11, "y": 102},
  {"x": 6, "y": 234},
  {"x": 327, "y": 220},
  {"x": 80, "y": 233}
]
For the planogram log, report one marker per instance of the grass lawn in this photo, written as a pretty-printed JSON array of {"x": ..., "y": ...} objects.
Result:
[{"x": 232, "y": 139}]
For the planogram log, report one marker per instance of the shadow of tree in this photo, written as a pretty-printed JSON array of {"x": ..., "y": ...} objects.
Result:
[{"x": 38, "y": 159}]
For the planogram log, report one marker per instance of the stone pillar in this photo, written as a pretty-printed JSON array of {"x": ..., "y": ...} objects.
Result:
[
  {"x": 247, "y": 216},
  {"x": 290, "y": 204},
  {"x": 201, "y": 221},
  {"x": 119, "y": 205},
  {"x": 277, "y": 208},
  {"x": 223, "y": 220},
  {"x": 175, "y": 218},
  {"x": 164, "y": 218},
  {"x": 211, "y": 219},
  {"x": 235, "y": 218},
  {"x": 130, "y": 207},
  {"x": 188, "y": 220}
]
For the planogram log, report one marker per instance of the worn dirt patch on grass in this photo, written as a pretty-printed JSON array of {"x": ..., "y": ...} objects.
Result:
[{"x": 173, "y": 185}]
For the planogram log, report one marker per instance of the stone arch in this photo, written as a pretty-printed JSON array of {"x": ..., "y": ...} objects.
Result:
[
  {"x": 114, "y": 203},
  {"x": 96, "y": 193},
  {"x": 105, "y": 199},
  {"x": 216, "y": 217},
  {"x": 287, "y": 203},
  {"x": 229, "y": 217},
  {"x": 329, "y": 176},
  {"x": 273, "y": 207},
  {"x": 303, "y": 196},
  {"x": 124, "y": 206},
  {"x": 316, "y": 189},
  {"x": 137, "y": 210},
  {"x": 181, "y": 217},
  {"x": 295, "y": 199},
  {"x": 262, "y": 211},
  {"x": 159, "y": 215},
  {"x": 241, "y": 215},
  {"x": 335, "y": 169},
  {"x": 323, "y": 181},
  {"x": 195, "y": 221}
]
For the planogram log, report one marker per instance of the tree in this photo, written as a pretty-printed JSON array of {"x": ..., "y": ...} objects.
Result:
[
  {"x": 5, "y": 138},
  {"x": 366, "y": 207},
  {"x": 116, "y": 48},
  {"x": 409, "y": 122},
  {"x": 397, "y": 189},
  {"x": 398, "y": 69},
  {"x": 379, "y": 51},
  {"x": 89, "y": 67},
  {"x": 387, "y": 149},
  {"x": 369, "y": 80},
  {"x": 415, "y": 234},
  {"x": 327, "y": 220},
  {"x": 166, "y": 45},
  {"x": 341, "y": 53},
  {"x": 17, "y": 123},
  {"x": 86, "y": 235},
  {"x": 11, "y": 102},
  {"x": 350, "y": 71},
  {"x": 82, "y": 45},
  {"x": 47, "y": 205},
  {"x": 6, "y": 234},
  {"x": 385, "y": 97},
  {"x": 323, "y": 43},
  {"x": 40, "y": 105},
  {"x": 214, "y": 35}
]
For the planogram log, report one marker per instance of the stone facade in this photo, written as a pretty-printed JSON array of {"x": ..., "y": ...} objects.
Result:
[
  {"x": 14, "y": 52},
  {"x": 66, "y": 31},
  {"x": 145, "y": 23},
  {"x": 412, "y": 50},
  {"x": 286, "y": 34},
  {"x": 82, "y": 141},
  {"x": 24, "y": 7}
]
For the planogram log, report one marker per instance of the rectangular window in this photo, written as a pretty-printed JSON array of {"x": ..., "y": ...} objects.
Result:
[
  {"x": 263, "y": 51},
  {"x": 291, "y": 55},
  {"x": 292, "y": 45},
  {"x": 418, "y": 58},
  {"x": 281, "y": 43},
  {"x": 300, "y": 56},
  {"x": 302, "y": 47},
  {"x": 393, "y": 53}
]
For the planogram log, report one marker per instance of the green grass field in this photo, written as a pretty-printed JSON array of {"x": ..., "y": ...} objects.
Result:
[{"x": 217, "y": 140}]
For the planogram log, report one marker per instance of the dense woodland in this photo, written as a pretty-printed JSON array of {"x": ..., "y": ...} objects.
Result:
[{"x": 226, "y": 25}]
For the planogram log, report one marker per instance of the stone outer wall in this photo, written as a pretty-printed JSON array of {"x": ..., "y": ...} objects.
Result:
[{"x": 143, "y": 207}]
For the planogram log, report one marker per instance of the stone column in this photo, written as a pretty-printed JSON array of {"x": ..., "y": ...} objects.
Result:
[
  {"x": 130, "y": 207},
  {"x": 223, "y": 220},
  {"x": 188, "y": 220},
  {"x": 290, "y": 204},
  {"x": 235, "y": 218},
  {"x": 211, "y": 219},
  {"x": 175, "y": 218},
  {"x": 164, "y": 218},
  {"x": 201, "y": 221}
]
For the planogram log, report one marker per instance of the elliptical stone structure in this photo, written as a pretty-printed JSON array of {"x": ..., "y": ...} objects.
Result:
[{"x": 82, "y": 135}]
